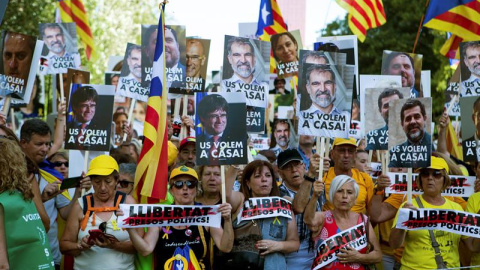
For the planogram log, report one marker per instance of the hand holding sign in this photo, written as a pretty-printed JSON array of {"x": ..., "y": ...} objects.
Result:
[
  {"x": 383, "y": 181},
  {"x": 318, "y": 187},
  {"x": 409, "y": 205},
  {"x": 349, "y": 255},
  {"x": 226, "y": 210}
]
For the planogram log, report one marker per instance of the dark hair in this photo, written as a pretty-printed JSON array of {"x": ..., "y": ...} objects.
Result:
[
  {"x": 250, "y": 169},
  {"x": 211, "y": 103},
  {"x": 118, "y": 114},
  {"x": 391, "y": 56},
  {"x": 240, "y": 40},
  {"x": 328, "y": 47},
  {"x": 318, "y": 68},
  {"x": 387, "y": 93},
  {"x": 467, "y": 45},
  {"x": 412, "y": 103},
  {"x": 274, "y": 40},
  {"x": 148, "y": 32},
  {"x": 314, "y": 54},
  {"x": 174, "y": 33},
  {"x": 131, "y": 48},
  {"x": 83, "y": 94},
  {"x": 276, "y": 80},
  {"x": 121, "y": 157},
  {"x": 476, "y": 105},
  {"x": 34, "y": 126},
  {"x": 49, "y": 25}
]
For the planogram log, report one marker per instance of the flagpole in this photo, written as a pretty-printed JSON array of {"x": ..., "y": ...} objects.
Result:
[{"x": 420, "y": 27}]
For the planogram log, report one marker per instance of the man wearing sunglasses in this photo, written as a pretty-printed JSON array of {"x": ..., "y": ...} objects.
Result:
[{"x": 127, "y": 177}]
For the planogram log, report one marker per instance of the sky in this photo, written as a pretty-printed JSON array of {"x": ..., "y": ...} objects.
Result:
[{"x": 213, "y": 19}]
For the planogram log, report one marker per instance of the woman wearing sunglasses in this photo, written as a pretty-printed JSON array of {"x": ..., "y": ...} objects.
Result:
[
  {"x": 419, "y": 252},
  {"x": 164, "y": 240},
  {"x": 60, "y": 163},
  {"x": 260, "y": 243},
  {"x": 92, "y": 234}
]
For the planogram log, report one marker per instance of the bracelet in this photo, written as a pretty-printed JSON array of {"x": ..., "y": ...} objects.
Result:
[
  {"x": 308, "y": 178},
  {"x": 379, "y": 192}
]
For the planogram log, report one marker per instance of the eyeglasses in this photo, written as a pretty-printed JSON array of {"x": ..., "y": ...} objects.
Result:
[
  {"x": 428, "y": 172},
  {"x": 124, "y": 183},
  {"x": 194, "y": 57},
  {"x": 59, "y": 164},
  {"x": 189, "y": 184}
]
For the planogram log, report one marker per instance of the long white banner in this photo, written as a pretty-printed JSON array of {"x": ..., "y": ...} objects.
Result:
[
  {"x": 461, "y": 186},
  {"x": 155, "y": 215},
  {"x": 459, "y": 222},
  {"x": 265, "y": 207}
]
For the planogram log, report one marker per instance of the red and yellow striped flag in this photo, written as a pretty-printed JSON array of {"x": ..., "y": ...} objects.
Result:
[
  {"x": 363, "y": 15},
  {"x": 151, "y": 177},
  {"x": 270, "y": 22},
  {"x": 74, "y": 11}
]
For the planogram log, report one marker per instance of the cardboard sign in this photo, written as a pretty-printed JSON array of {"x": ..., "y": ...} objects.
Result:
[
  {"x": 265, "y": 207},
  {"x": 17, "y": 77},
  {"x": 326, "y": 253},
  {"x": 285, "y": 48},
  {"x": 411, "y": 74},
  {"x": 221, "y": 136},
  {"x": 409, "y": 139},
  {"x": 323, "y": 110},
  {"x": 470, "y": 109},
  {"x": 60, "y": 51},
  {"x": 129, "y": 84},
  {"x": 377, "y": 100},
  {"x": 461, "y": 186},
  {"x": 469, "y": 69},
  {"x": 155, "y": 215},
  {"x": 244, "y": 69},
  {"x": 89, "y": 127},
  {"x": 459, "y": 222}
]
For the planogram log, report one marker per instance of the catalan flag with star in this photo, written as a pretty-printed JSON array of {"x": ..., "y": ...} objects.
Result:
[
  {"x": 270, "y": 22},
  {"x": 151, "y": 177},
  {"x": 363, "y": 15},
  {"x": 74, "y": 11}
]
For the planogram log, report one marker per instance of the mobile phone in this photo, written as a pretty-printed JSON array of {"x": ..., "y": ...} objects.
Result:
[
  {"x": 70, "y": 182},
  {"x": 95, "y": 234}
]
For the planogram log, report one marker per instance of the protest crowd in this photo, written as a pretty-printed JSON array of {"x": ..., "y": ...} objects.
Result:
[{"x": 292, "y": 160}]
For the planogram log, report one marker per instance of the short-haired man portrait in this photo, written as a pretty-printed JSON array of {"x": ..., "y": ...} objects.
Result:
[
  {"x": 134, "y": 61},
  {"x": 279, "y": 87},
  {"x": 176, "y": 71},
  {"x": 377, "y": 139},
  {"x": 471, "y": 151},
  {"x": 213, "y": 112},
  {"x": 241, "y": 58},
  {"x": 58, "y": 58},
  {"x": 281, "y": 136},
  {"x": 400, "y": 63},
  {"x": 17, "y": 58},
  {"x": 413, "y": 118},
  {"x": 84, "y": 104},
  {"x": 470, "y": 56},
  {"x": 321, "y": 90},
  {"x": 196, "y": 63}
]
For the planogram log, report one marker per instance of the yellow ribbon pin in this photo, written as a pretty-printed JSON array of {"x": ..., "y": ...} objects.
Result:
[{"x": 277, "y": 220}]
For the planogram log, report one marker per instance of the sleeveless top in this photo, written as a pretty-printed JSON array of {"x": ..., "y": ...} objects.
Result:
[
  {"x": 27, "y": 242},
  {"x": 329, "y": 229},
  {"x": 103, "y": 258},
  {"x": 196, "y": 237}
]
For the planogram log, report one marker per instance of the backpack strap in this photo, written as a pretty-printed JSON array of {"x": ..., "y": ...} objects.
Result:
[
  {"x": 438, "y": 255},
  {"x": 89, "y": 208},
  {"x": 204, "y": 242}
]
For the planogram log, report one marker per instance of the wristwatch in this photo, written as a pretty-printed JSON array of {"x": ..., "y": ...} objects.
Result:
[{"x": 308, "y": 178}]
